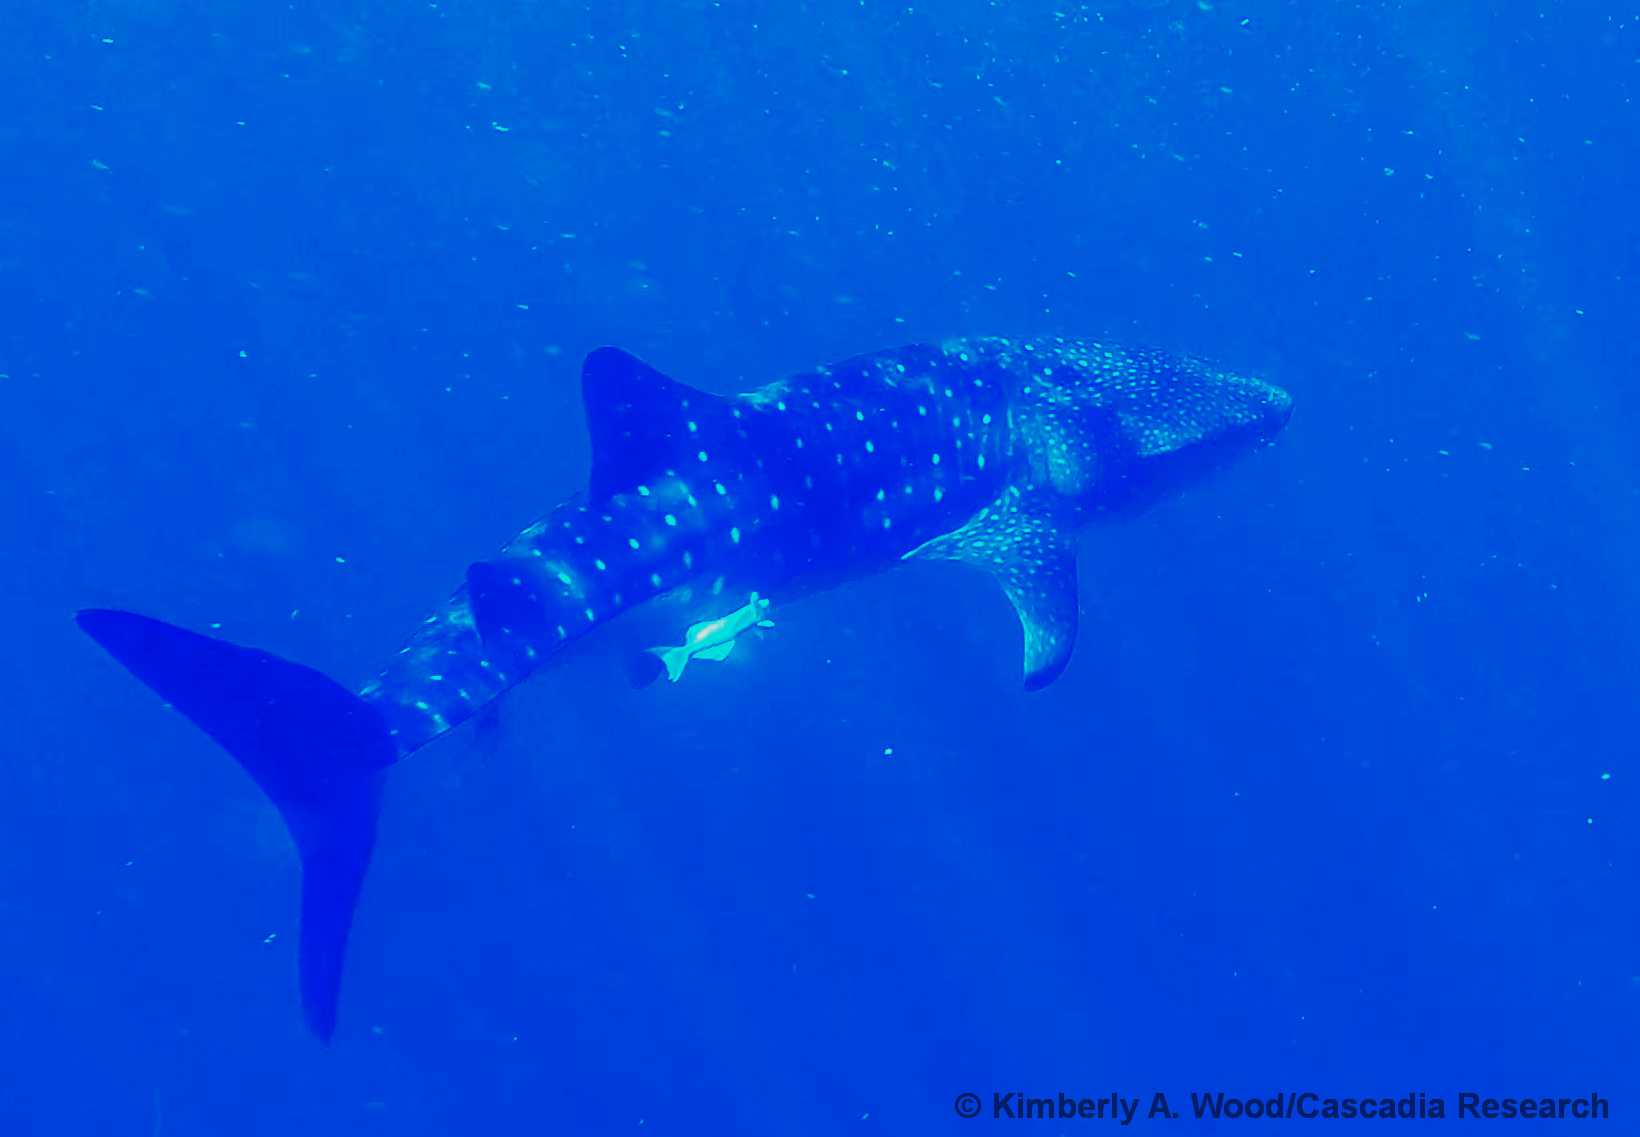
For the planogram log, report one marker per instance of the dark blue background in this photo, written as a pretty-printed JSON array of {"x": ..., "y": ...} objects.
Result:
[{"x": 294, "y": 297}]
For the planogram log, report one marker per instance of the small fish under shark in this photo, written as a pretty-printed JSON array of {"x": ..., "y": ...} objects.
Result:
[
  {"x": 714, "y": 639},
  {"x": 990, "y": 452}
]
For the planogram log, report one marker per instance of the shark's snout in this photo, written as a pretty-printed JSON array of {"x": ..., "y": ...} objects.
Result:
[
  {"x": 1181, "y": 420},
  {"x": 1270, "y": 406},
  {"x": 1243, "y": 410}
]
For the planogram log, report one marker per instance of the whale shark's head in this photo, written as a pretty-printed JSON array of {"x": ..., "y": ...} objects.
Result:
[
  {"x": 1116, "y": 430},
  {"x": 1181, "y": 420}
]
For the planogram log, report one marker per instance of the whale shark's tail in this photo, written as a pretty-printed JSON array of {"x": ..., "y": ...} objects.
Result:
[{"x": 316, "y": 750}]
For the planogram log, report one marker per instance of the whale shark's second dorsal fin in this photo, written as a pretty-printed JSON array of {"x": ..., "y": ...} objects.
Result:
[
  {"x": 1020, "y": 544},
  {"x": 636, "y": 417}
]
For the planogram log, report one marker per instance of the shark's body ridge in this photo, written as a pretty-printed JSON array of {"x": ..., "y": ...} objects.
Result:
[{"x": 992, "y": 452}]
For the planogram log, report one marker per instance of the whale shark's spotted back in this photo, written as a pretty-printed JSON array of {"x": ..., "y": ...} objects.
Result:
[{"x": 992, "y": 452}]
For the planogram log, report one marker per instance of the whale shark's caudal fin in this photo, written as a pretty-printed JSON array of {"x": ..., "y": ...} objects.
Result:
[{"x": 317, "y": 751}]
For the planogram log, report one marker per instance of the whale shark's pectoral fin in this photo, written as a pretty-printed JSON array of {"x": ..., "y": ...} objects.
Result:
[
  {"x": 1043, "y": 592},
  {"x": 1033, "y": 561}
]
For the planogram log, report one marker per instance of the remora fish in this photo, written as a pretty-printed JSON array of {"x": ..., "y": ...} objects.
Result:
[
  {"x": 713, "y": 639},
  {"x": 992, "y": 452}
]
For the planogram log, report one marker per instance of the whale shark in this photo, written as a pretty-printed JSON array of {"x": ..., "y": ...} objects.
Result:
[{"x": 992, "y": 452}]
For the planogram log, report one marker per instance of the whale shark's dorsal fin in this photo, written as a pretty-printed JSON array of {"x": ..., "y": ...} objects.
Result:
[
  {"x": 634, "y": 415},
  {"x": 1018, "y": 542}
]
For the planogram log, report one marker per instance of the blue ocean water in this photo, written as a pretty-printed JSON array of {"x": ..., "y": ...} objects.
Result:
[{"x": 1336, "y": 796}]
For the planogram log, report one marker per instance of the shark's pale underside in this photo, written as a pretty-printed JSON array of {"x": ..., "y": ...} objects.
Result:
[{"x": 992, "y": 452}]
